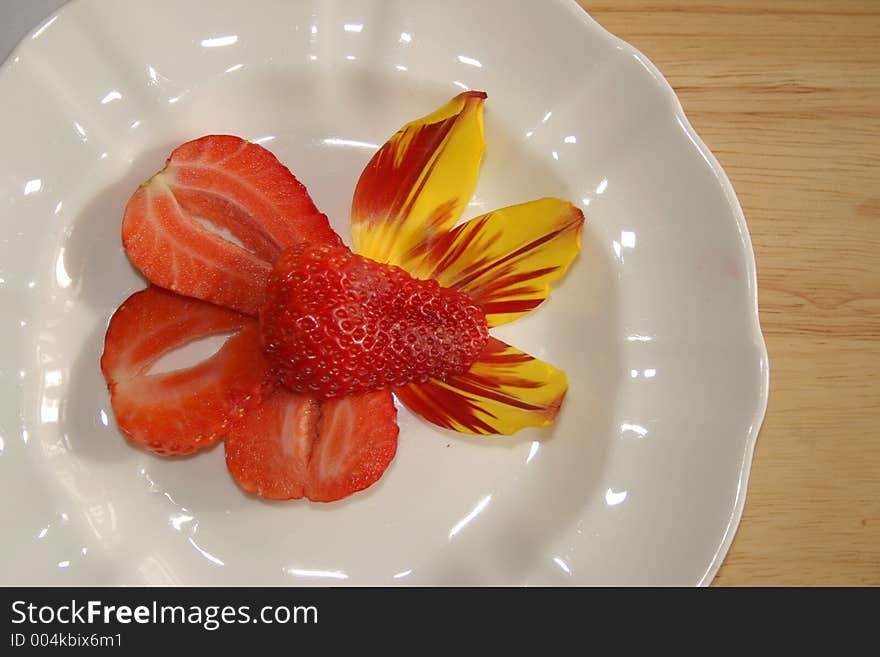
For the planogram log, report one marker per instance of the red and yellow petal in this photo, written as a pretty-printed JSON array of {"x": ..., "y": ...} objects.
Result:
[
  {"x": 505, "y": 260},
  {"x": 418, "y": 184},
  {"x": 504, "y": 391}
]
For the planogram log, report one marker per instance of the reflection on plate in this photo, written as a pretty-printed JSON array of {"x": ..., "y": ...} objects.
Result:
[{"x": 643, "y": 479}]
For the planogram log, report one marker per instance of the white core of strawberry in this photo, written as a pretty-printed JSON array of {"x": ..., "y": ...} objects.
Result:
[{"x": 190, "y": 354}]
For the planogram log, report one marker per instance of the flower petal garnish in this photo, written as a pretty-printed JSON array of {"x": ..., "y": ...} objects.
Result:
[
  {"x": 418, "y": 184},
  {"x": 505, "y": 260},
  {"x": 504, "y": 391}
]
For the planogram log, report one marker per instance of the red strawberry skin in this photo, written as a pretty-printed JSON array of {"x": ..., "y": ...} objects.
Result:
[
  {"x": 295, "y": 446},
  {"x": 238, "y": 187},
  {"x": 183, "y": 411},
  {"x": 335, "y": 323}
]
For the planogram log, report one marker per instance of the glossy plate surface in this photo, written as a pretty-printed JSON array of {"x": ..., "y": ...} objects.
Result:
[{"x": 643, "y": 479}]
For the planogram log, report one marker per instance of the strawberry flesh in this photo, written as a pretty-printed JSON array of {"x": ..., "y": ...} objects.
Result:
[
  {"x": 185, "y": 410},
  {"x": 296, "y": 446},
  {"x": 268, "y": 449},
  {"x": 335, "y": 323},
  {"x": 232, "y": 185}
]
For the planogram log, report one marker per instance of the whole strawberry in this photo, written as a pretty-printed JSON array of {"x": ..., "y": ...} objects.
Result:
[{"x": 335, "y": 323}]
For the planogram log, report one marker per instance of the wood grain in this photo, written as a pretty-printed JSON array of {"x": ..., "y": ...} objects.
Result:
[{"x": 787, "y": 96}]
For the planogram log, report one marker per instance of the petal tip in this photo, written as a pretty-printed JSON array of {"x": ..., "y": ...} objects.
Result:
[
  {"x": 474, "y": 95},
  {"x": 573, "y": 213},
  {"x": 552, "y": 411},
  {"x": 577, "y": 219}
]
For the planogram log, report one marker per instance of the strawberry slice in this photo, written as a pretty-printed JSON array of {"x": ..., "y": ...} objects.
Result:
[
  {"x": 268, "y": 448},
  {"x": 237, "y": 187},
  {"x": 357, "y": 440},
  {"x": 295, "y": 446},
  {"x": 185, "y": 410}
]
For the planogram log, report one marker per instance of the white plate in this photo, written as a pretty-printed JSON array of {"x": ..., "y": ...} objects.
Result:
[{"x": 643, "y": 479}]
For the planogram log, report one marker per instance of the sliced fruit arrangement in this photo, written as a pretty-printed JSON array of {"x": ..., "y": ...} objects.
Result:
[
  {"x": 173, "y": 232},
  {"x": 321, "y": 337}
]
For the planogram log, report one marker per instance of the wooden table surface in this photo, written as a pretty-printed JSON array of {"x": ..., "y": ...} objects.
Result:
[{"x": 787, "y": 96}]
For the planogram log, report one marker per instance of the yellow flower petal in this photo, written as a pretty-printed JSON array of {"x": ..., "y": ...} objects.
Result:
[
  {"x": 504, "y": 391},
  {"x": 419, "y": 182},
  {"x": 505, "y": 260}
]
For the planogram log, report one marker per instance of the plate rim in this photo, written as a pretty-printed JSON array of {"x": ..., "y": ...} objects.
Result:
[{"x": 757, "y": 334}]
